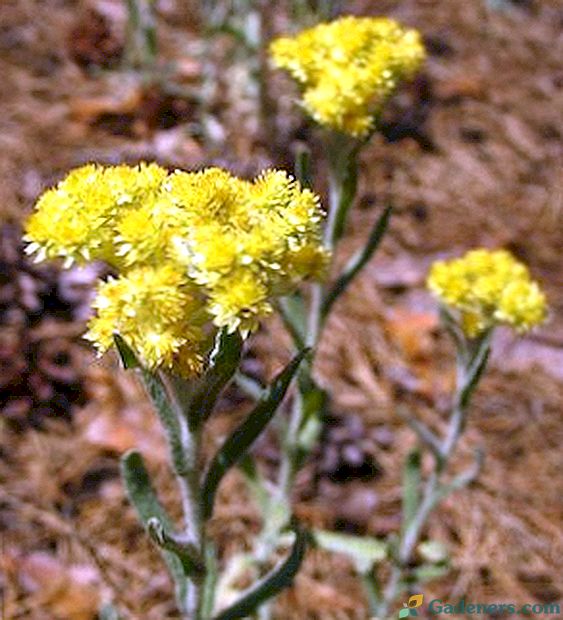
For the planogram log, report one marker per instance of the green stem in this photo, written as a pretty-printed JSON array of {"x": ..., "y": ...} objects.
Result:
[
  {"x": 189, "y": 483},
  {"x": 469, "y": 370}
]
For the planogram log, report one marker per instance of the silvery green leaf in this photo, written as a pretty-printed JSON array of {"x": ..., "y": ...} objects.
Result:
[
  {"x": 411, "y": 483},
  {"x": 244, "y": 435},
  {"x": 433, "y": 551},
  {"x": 272, "y": 584},
  {"x": 142, "y": 495},
  {"x": 364, "y": 551}
]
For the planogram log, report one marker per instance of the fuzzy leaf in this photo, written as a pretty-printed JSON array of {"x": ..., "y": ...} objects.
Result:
[
  {"x": 303, "y": 165},
  {"x": 223, "y": 363},
  {"x": 364, "y": 551},
  {"x": 244, "y": 436},
  {"x": 143, "y": 497},
  {"x": 358, "y": 261},
  {"x": 428, "y": 572},
  {"x": 161, "y": 401},
  {"x": 348, "y": 189},
  {"x": 475, "y": 370},
  {"x": 411, "y": 483},
  {"x": 294, "y": 315},
  {"x": 272, "y": 584},
  {"x": 126, "y": 354}
]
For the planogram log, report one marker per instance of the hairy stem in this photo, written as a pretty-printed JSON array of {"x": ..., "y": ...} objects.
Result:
[
  {"x": 469, "y": 369},
  {"x": 189, "y": 483}
]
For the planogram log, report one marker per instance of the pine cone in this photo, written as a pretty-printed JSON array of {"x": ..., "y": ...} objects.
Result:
[
  {"x": 92, "y": 42},
  {"x": 347, "y": 450},
  {"x": 41, "y": 365}
]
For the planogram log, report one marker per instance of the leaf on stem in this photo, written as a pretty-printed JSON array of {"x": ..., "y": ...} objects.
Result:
[
  {"x": 359, "y": 260},
  {"x": 426, "y": 436},
  {"x": 223, "y": 363},
  {"x": 314, "y": 405},
  {"x": 126, "y": 354},
  {"x": 142, "y": 495},
  {"x": 364, "y": 551},
  {"x": 348, "y": 188},
  {"x": 186, "y": 552},
  {"x": 465, "y": 478},
  {"x": 272, "y": 583},
  {"x": 475, "y": 370},
  {"x": 249, "y": 385},
  {"x": 244, "y": 436},
  {"x": 293, "y": 313},
  {"x": 160, "y": 399},
  {"x": 411, "y": 487},
  {"x": 255, "y": 481},
  {"x": 303, "y": 165}
]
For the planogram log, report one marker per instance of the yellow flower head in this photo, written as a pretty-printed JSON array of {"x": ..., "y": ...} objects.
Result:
[
  {"x": 243, "y": 241},
  {"x": 193, "y": 252},
  {"x": 489, "y": 288},
  {"x": 349, "y": 67},
  {"x": 74, "y": 220},
  {"x": 157, "y": 312}
]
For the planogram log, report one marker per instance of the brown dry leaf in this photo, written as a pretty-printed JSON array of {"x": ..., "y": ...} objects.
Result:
[
  {"x": 124, "y": 99},
  {"x": 321, "y": 599},
  {"x": 121, "y": 430},
  {"x": 460, "y": 87},
  {"x": 187, "y": 69},
  {"x": 67, "y": 592},
  {"x": 412, "y": 332}
]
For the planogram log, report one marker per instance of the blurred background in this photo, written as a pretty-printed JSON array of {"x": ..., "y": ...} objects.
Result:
[{"x": 469, "y": 154}]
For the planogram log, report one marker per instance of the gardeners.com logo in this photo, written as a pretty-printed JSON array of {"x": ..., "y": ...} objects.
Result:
[
  {"x": 409, "y": 609},
  {"x": 437, "y": 606}
]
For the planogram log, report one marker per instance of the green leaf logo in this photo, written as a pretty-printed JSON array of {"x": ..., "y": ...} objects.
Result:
[{"x": 405, "y": 612}]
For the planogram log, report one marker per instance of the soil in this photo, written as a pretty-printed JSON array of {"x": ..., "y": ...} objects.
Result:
[{"x": 469, "y": 155}]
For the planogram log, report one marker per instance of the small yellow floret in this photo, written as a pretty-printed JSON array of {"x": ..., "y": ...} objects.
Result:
[
  {"x": 157, "y": 312},
  {"x": 239, "y": 301},
  {"x": 349, "y": 67},
  {"x": 489, "y": 288},
  {"x": 75, "y": 219}
]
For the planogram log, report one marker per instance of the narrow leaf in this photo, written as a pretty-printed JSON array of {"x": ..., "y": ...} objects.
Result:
[
  {"x": 127, "y": 355},
  {"x": 349, "y": 186},
  {"x": 186, "y": 552},
  {"x": 293, "y": 313},
  {"x": 411, "y": 484},
  {"x": 475, "y": 371},
  {"x": 465, "y": 478},
  {"x": 164, "y": 407},
  {"x": 244, "y": 436},
  {"x": 359, "y": 260},
  {"x": 143, "y": 497},
  {"x": 255, "y": 482},
  {"x": 223, "y": 363},
  {"x": 210, "y": 582},
  {"x": 272, "y": 584},
  {"x": 303, "y": 165},
  {"x": 252, "y": 387},
  {"x": 160, "y": 399},
  {"x": 364, "y": 551},
  {"x": 429, "y": 572}
]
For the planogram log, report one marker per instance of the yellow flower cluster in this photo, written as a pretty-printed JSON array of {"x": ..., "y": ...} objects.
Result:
[
  {"x": 349, "y": 67},
  {"x": 193, "y": 251},
  {"x": 489, "y": 288}
]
